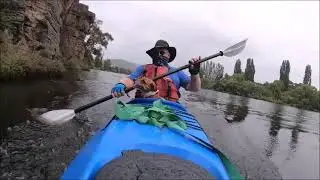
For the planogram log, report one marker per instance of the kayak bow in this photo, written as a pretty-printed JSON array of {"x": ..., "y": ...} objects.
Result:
[{"x": 124, "y": 135}]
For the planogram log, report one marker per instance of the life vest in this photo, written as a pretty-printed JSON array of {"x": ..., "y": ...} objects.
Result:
[{"x": 167, "y": 89}]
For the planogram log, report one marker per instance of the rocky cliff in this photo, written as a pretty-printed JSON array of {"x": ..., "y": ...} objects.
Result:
[{"x": 52, "y": 30}]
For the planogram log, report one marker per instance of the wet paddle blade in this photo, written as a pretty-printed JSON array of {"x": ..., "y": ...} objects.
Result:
[
  {"x": 235, "y": 49},
  {"x": 57, "y": 117}
]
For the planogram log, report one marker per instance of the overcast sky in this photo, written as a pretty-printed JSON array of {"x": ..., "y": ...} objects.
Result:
[{"x": 276, "y": 31}]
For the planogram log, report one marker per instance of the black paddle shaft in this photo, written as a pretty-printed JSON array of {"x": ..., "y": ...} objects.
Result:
[{"x": 84, "y": 107}]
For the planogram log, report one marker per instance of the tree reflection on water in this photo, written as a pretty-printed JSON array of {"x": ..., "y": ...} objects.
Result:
[
  {"x": 236, "y": 113},
  {"x": 275, "y": 126}
]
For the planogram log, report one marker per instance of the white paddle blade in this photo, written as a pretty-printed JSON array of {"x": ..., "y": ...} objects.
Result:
[
  {"x": 235, "y": 49},
  {"x": 57, "y": 117}
]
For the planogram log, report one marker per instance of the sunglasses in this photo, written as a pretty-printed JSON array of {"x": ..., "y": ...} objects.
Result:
[{"x": 162, "y": 52}]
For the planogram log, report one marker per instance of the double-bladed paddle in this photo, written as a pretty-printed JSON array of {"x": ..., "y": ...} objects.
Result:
[{"x": 56, "y": 117}]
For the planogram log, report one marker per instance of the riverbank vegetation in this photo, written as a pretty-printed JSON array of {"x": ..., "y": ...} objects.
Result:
[
  {"x": 283, "y": 91},
  {"x": 19, "y": 61},
  {"x": 16, "y": 62}
]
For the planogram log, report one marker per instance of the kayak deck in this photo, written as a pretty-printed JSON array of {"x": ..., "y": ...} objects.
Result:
[{"x": 119, "y": 136}]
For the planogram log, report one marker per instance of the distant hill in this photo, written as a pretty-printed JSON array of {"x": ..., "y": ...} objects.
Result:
[{"x": 124, "y": 64}]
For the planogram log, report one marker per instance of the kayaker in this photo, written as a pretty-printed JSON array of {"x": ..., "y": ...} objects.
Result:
[{"x": 168, "y": 88}]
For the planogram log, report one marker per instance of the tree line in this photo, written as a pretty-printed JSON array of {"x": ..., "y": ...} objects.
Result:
[
  {"x": 106, "y": 65},
  {"x": 95, "y": 44},
  {"x": 284, "y": 72},
  {"x": 281, "y": 91}
]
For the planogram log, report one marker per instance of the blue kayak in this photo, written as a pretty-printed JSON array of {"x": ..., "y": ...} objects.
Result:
[{"x": 119, "y": 136}]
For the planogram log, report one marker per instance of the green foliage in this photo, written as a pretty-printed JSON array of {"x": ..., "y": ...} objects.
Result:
[
  {"x": 307, "y": 75},
  {"x": 237, "y": 67},
  {"x": 235, "y": 84},
  {"x": 284, "y": 73},
  {"x": 297, "y": 95},
  {"x": 98, "y": 62},
  {"x": 303, "y": 96},
  {"x": 106, "y": 65},
  {"x": 250, "y": 70},
  {"x": 275, "y": 89},
  {"x": 96, "y": 42},
  {"x": 218, "y": 71},
  {"x": 210, "y": 73}
]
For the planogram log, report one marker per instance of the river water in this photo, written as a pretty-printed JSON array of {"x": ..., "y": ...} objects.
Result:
[{"x": 265, "y": 140}]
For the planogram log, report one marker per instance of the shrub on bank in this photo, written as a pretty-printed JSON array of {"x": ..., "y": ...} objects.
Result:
[
  {"x": 303, "y": 96},
  {"x": 297, "y": 95}
]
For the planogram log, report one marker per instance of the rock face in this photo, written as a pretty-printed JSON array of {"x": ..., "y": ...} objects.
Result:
[
  {"x": 75, "y": 26},
  {"x": 55, "y": 29}
]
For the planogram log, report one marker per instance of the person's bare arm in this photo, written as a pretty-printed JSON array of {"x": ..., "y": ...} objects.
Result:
[
  {"x": 127, "y": 82},
  {"x": 195, "y": 83}
]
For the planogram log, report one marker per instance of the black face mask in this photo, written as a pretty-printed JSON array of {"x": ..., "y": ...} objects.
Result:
[{"x": 161, "y": 60}]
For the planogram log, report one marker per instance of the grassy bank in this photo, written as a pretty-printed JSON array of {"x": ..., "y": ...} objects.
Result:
[{"x": 297, "y": 95}]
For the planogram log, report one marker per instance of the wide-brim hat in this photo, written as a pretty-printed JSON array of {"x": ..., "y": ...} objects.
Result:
[{"x": 153, "y": 52}]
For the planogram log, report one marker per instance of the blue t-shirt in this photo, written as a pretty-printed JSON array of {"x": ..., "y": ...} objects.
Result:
[{"x": 180, "y": 79}]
